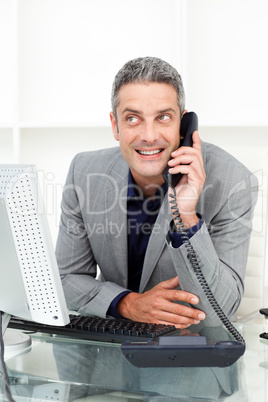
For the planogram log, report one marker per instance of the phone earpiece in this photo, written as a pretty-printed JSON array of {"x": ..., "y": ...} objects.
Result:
[{"x": 189, "y": 124}]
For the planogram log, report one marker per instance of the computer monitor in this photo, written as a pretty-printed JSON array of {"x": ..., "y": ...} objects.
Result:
[{"x": 30, "y": 284}]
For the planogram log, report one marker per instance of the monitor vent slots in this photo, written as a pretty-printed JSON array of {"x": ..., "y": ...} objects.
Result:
[{"x": 30, "y": 248}]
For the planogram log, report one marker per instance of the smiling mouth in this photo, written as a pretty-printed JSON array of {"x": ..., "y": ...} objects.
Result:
[{"x": 156, "y": 151}]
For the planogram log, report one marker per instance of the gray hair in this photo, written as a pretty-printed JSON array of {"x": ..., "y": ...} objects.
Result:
[{"x": 147, "y": 69}]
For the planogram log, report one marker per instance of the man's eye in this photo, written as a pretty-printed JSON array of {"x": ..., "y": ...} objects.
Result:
[
  {"x": 164, "y": 117},
  {"x": 132, "y": 119}
]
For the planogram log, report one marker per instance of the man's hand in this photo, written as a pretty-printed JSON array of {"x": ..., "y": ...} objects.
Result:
[
  {"x": 157, "y": 306},
  {"x": 189, "y": 162}
]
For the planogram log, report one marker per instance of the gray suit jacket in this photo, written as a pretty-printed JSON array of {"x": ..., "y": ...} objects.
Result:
[{"x": 93, "y": 232}]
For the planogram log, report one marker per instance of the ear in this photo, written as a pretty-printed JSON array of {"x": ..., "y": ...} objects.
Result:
[{"x": 114, "y": 126}]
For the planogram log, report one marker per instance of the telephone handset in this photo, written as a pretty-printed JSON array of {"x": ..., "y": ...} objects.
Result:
[{"x": 189, "y": 124}]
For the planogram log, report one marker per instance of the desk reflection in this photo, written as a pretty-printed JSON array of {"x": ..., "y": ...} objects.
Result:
[
  {"x": 103, "y": 368},
  {"x": 94, "y": 371}
]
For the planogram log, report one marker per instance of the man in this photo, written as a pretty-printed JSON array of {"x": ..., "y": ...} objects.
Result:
[{"x": 116, "y": 212}]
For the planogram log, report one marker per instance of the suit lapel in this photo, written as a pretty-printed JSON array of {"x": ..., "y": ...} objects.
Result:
[{"x": 116, "y": 207}]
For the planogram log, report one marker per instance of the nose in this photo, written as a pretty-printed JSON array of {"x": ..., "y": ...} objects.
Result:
[{"x": 149, "y": 133}]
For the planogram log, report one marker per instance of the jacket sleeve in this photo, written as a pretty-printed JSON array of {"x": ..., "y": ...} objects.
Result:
[{"x": 221, "y": 246}]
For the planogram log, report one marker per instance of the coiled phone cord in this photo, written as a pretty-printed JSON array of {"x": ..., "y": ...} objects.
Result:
[{"x": 192, "y": 257}]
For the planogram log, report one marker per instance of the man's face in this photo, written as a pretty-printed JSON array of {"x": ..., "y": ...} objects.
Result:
[{"x": 148, "y": 124}]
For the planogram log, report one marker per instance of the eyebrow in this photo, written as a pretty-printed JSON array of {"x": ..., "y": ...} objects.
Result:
[
  {"x": 169, "y": 109},
  {"x": 131, "y": 111}
]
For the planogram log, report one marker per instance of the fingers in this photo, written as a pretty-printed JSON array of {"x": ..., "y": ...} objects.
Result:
[
  {"x": 180, "y": 295},
  {"x": 189, "y": 162},
  {"x": 196, "y": 140},
  {"x": 176, "y": 295},
  {"x": 180, "y": 312},
  {"x": 169, "y": 284},
  {"x": 181, "y": 317},
  {"x": 161, "y": 305},
  {"x": 177, "y": 321},
  {"x": 185, "y": 312},
  {"x": 166, "y": 310},
  {"x": 186, "y": 157}
]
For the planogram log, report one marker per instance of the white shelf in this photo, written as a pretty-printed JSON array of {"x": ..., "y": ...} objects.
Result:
[
  {"x": 4, "y": 125},
  {"x": 62, "y": 124}
]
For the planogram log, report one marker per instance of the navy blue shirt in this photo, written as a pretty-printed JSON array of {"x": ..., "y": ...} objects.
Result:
[{"x": 141, "y": 216}]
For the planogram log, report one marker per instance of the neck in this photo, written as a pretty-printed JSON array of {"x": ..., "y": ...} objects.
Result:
[
  {"x": 149, "y": 191},
  {"x": 149, "y": 186}
]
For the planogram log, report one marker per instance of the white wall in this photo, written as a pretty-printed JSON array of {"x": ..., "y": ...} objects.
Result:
[
  {"x": 227, "y": 62},
  {"x": 59, "y": 57}
]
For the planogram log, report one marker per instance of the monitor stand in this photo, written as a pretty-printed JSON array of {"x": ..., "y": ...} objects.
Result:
[{"x": 14, "y": 340}]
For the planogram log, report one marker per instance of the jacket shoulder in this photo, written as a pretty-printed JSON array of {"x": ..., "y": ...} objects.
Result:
[
  {"x": 105, "y": 165},
  {"x": 221, "y": 162},
  {"x": 103, "y": 160}
]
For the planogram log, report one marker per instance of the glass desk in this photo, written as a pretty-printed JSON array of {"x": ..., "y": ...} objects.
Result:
[{"x": 57, "y": 368}]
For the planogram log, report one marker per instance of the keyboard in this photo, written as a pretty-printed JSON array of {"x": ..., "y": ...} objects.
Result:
[{"x": 100, "y": 329}]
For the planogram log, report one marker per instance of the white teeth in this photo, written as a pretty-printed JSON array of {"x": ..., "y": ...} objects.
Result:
[{"x": 157, "y": 151}]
